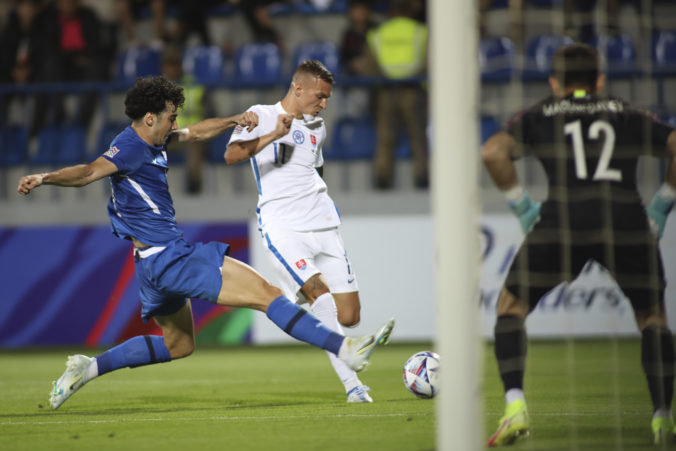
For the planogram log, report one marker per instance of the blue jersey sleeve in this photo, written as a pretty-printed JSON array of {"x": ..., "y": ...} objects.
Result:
[{"x": 127, "y": 158}]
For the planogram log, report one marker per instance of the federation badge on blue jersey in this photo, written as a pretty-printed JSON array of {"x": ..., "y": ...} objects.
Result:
[
  {"x": 110, "y": 153},
  {"x": 298, "y": 137}
]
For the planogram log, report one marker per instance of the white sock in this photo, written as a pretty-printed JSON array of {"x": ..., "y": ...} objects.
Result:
[
  {"x": 664, "y": 413},
  {"x": 513, "y": 394},
  {"x": 324, "y": 308},
  {"x": 92, "y": 370}
]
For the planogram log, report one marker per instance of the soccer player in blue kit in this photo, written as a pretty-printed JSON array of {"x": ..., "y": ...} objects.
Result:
[{"x": 171, "y": 270}]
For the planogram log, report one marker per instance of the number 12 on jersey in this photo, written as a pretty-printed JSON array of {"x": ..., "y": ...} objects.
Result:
[{"x": 603, "y": 172}]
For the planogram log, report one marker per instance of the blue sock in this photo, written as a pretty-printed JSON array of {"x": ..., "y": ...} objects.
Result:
[
  {"x": 137, "y": 351},
  {"x": 302, "y": 325}
]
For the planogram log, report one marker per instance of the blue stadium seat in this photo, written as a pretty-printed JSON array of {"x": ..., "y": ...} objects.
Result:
[
  {"x": 664, "y": 52},
  {"x": 488, "y": 127},
  {"x": 353, "y": 138},
  {"x": 13, "y": 145},
  {"x": 48, "y": 141},
  {"x": 324, "y": 51},
  {"x": 257, "y": 64},
  {"x": 496, "y": 59},
  {"x": 539, "y": 52},
  {"x": 546, "y": 3},
  {"x": 60, "y": 146},
  {"x": 619, "y": 54},
  {"x": 72, "y": 147},
  {"x": 402, "y": 151},
  {"x": 216, "y": 147},
  {"x": 137, "y": 62},
  {"x": 205, "y": 63}
]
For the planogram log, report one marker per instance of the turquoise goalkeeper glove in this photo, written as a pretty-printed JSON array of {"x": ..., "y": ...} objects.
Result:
[
  {"x": 658, "y": 210},
  {"x": 527, "y": 211}
]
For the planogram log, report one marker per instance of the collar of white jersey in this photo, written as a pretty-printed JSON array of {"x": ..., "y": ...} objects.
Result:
[{"x": 308, "y": 119}]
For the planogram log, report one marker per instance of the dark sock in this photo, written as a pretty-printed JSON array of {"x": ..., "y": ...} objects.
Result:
[
  {"x": 510, "y": 350},
  {"x": 657, "y": 359}
]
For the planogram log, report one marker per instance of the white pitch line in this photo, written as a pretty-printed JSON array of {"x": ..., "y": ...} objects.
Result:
[{"x": 219, "y": 418}]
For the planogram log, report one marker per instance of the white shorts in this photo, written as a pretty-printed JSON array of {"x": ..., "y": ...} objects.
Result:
[{"x": 297, "y": 256}]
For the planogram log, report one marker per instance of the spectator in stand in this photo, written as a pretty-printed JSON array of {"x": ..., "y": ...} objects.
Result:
[
  {"x": 353, "y": 46},
  {"x": 197, "y": 107},
  {"x": 191, "y": 18},
  {"x": 399, "y": 46},
  {"x": 260, "y": 21},
  {"x": 73, "y": 52},
  {"x": 128, "y": 12},
  {"x": 515, "y": 10},
  {"x": 20, "y": 50},
  {"x": 586, "y": 30}
]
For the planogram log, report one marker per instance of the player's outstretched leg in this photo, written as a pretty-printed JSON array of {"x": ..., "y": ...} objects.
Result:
[
  {"x": 72, "y": 379},
  {"x": 513, "y": 425}
]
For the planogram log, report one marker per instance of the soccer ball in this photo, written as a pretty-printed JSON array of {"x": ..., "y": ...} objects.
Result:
[{"x": 421, "y": 374}]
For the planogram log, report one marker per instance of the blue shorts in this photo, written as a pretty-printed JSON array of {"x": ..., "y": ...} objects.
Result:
[{"x": 181, "y": 271}]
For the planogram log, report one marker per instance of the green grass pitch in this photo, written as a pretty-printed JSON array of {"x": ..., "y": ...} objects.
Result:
[{"x": 587, "y": 395}]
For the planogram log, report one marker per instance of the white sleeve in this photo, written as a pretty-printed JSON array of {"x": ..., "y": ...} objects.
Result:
[
  {"x": 319, "y": 160},
  {"x": 241, "y": 134}
]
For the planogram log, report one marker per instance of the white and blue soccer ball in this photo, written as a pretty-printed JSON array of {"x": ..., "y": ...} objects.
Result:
[{"x": 421, "y": 374}]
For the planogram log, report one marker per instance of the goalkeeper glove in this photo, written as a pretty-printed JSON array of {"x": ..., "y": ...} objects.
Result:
[
  {"x": 659, "y": 208},
  {"x": 526, "y": 210}
]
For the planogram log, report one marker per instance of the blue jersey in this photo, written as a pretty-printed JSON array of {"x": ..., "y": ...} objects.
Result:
[{"x": 140, "y": 205}]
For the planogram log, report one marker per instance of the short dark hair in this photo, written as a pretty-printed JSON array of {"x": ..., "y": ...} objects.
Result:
[
  {"x": 315, "y": 68},
  {"x": 576, "y": 65},
  {"x": 150, "y": 95}
]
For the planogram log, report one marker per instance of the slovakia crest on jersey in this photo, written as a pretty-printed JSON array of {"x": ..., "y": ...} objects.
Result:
[
  {"x": 300, "y": 264},
  {"x": 298, "y": 137},
  {"x": 238, "y": 130},
  {"x": 110, "y": 153},
  {"x": 313, "y": 140}
]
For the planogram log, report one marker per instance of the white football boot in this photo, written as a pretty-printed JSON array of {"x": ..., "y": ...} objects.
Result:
[
  {"x": 359, "y": 394},
  {"x": 358, "y": 350},
  {"x": 71, "y": 380}
]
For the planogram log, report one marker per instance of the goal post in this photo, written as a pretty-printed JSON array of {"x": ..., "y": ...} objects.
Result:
[{"x": 453, "y": 69}]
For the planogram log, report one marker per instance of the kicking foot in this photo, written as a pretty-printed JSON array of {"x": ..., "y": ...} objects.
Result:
[
  {"x": 358, "y": 350},
  {"x": 71, "y": 380}
]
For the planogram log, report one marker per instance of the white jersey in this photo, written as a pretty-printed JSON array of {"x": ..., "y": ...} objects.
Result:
[{"x": 291, "y": 194}]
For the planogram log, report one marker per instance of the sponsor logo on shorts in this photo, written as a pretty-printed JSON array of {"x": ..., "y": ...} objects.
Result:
[
  {"x": 110, "y": 153},
  {"x": 350, "y": 280},
  {"x": 298, "y": 137},
  {"x": 300, "y": 264}
]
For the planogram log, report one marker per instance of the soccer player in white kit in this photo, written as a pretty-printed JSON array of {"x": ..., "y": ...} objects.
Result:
[{"x": 297, "y": 219}]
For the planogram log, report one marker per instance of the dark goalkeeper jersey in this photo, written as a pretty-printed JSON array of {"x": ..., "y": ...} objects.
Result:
[{"x": 589, "y": 147}]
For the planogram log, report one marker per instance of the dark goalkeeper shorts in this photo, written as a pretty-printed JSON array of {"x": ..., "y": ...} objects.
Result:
[{"x": 549, "y": 257}]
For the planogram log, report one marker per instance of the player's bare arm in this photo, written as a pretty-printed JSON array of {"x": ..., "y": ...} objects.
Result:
[
  {"x": 210, "y": 128},
  {"x": 496, "y": 154},
  {"x": 76, "y": 176},
  {"x": 243, "y": 150}
]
